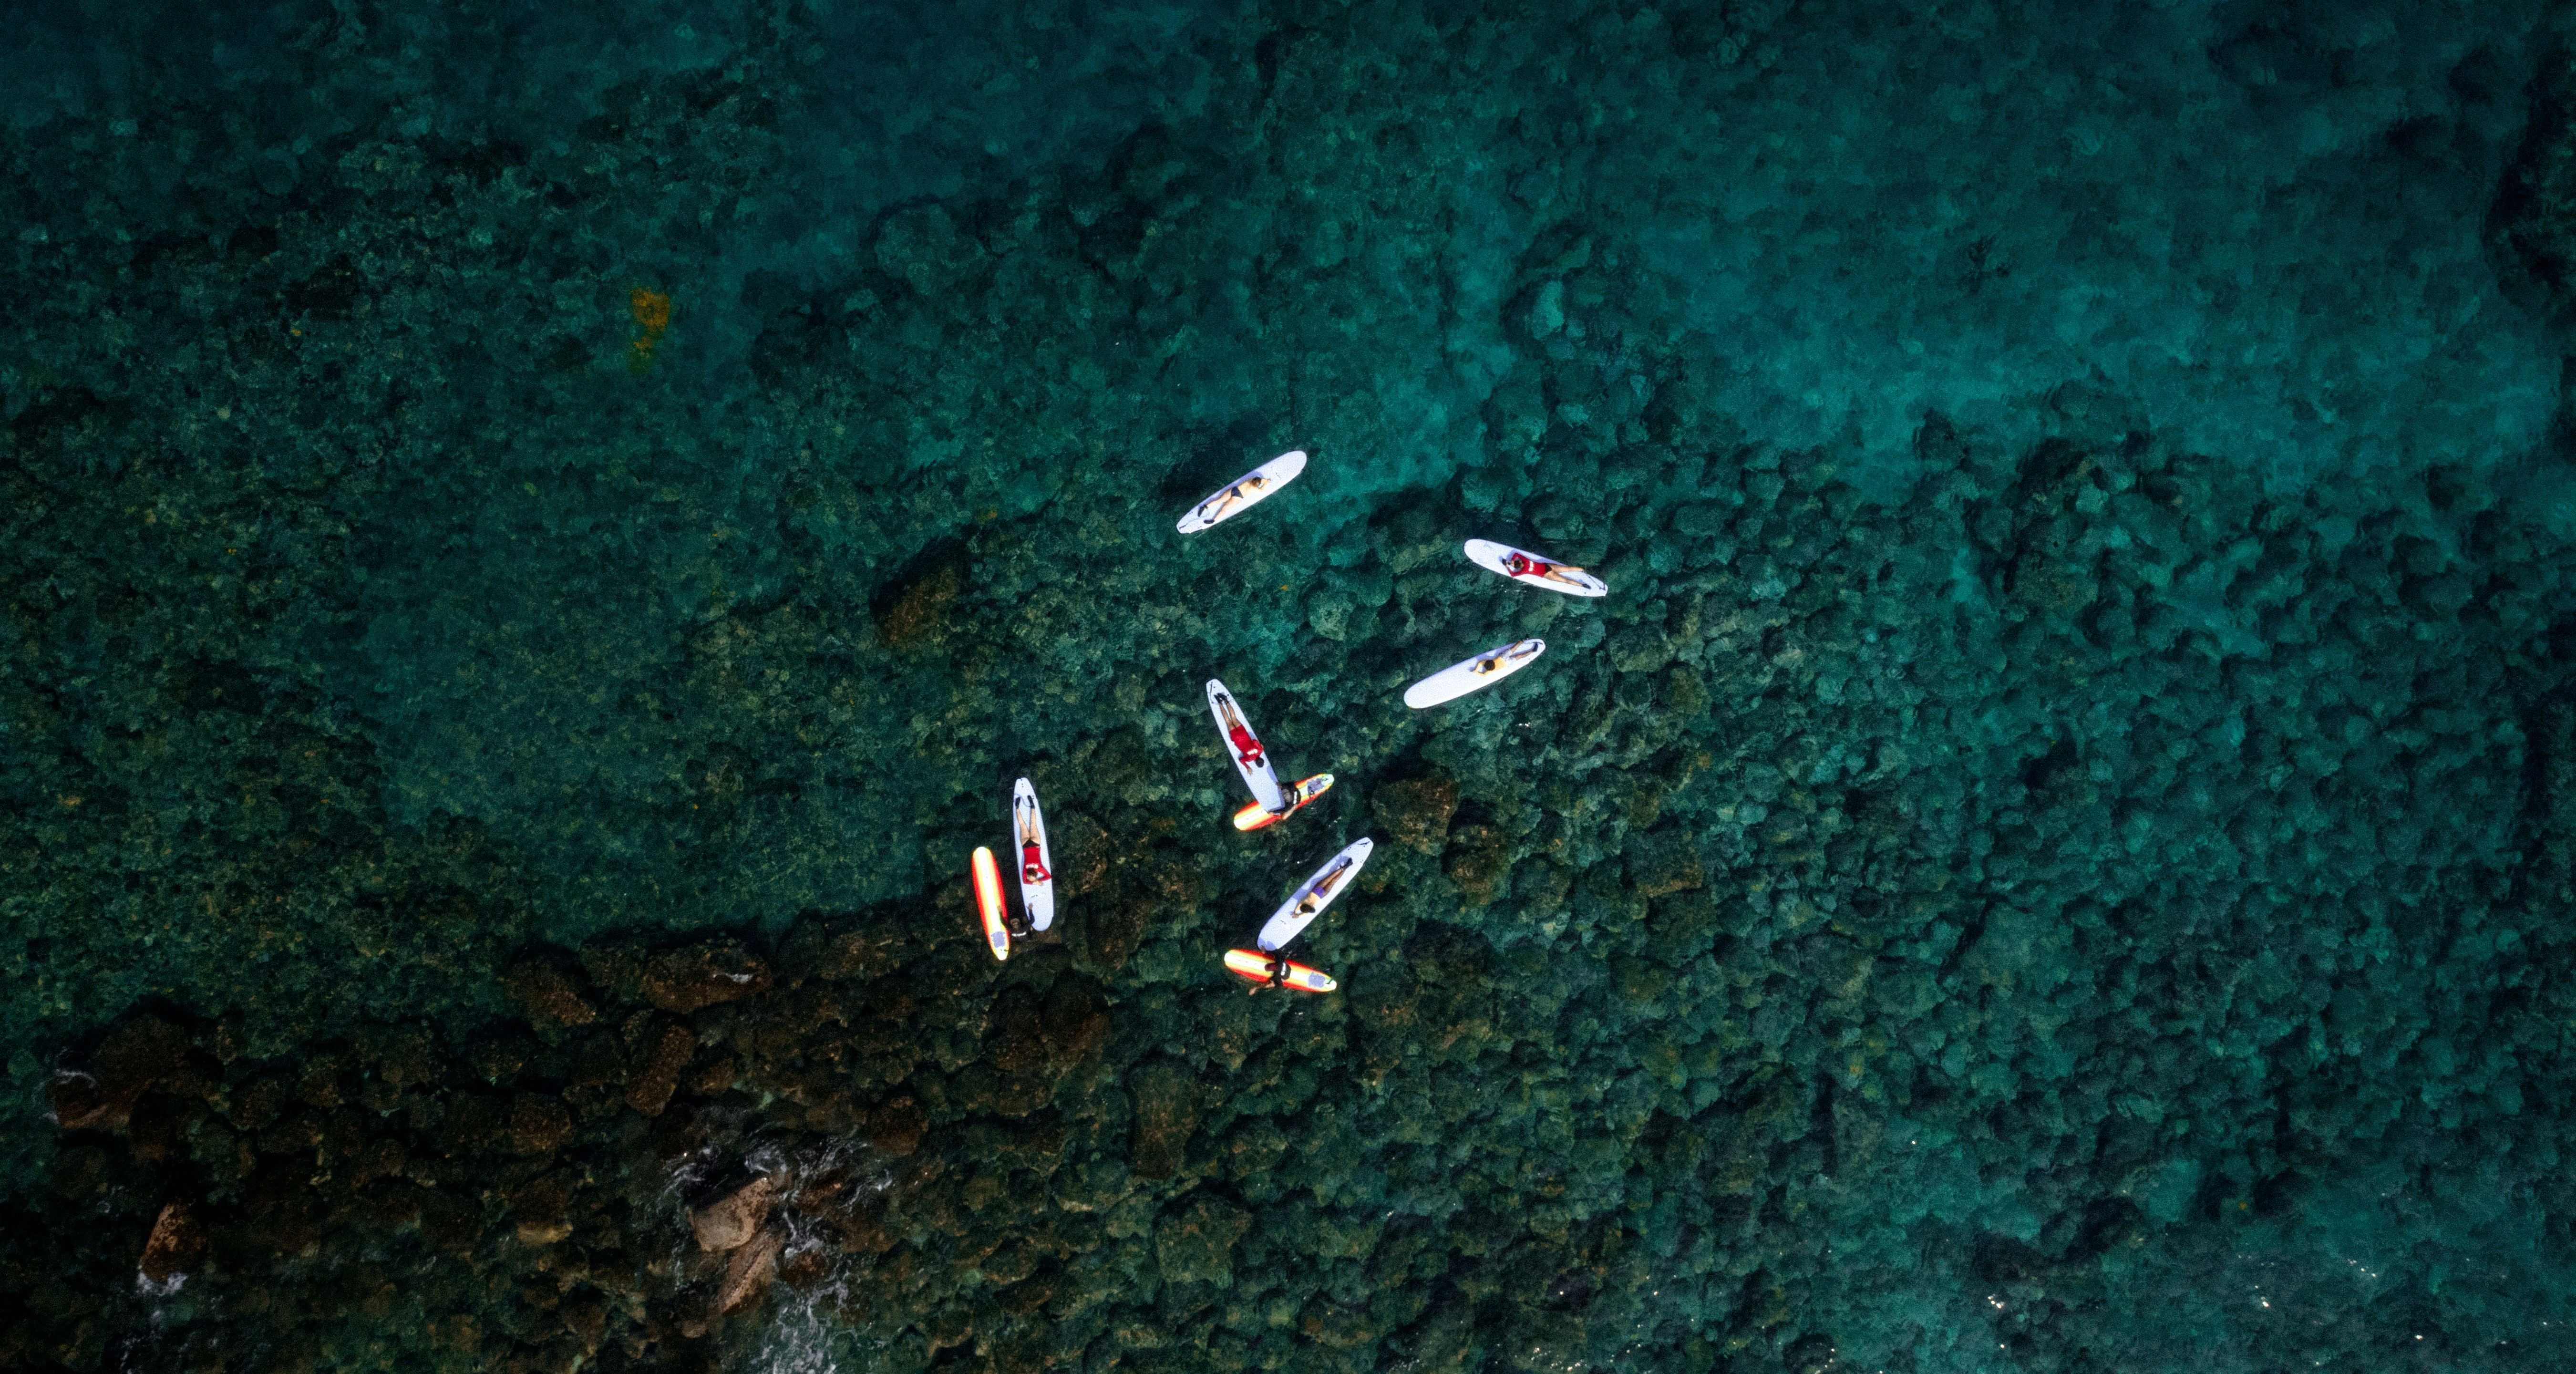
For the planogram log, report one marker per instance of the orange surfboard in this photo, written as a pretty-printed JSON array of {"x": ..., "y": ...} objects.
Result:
[
  {"x": 1254, "y": 815},
  {"x": 1253, "y": 966},
  {"x": 988, "y": 901}
]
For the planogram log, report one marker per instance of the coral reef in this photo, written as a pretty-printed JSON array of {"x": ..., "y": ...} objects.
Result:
[
  {"x": 652, "y": 312},
  {"x": 2054, "y": 854}
]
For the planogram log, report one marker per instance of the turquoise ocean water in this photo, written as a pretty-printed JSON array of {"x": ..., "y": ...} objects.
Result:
[{"x": 538, "y": 539}]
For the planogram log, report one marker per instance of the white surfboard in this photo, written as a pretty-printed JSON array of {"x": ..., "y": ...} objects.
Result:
[
  {"x": 1252, "y": 763},
  {"x": 1534, "y": 569},
  {"x": 1037, "y": 863},
  {"x": 1245, "y": 492},
  {"x": 1475, "y": 674},
  {"x": 1309, "y": 901}
]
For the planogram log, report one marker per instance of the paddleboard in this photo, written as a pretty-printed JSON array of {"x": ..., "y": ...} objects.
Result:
[
  {"x": 1256, "y": 770},
  {"x": 1253, "y": 966},
  {"x": 1255, "y": 816},
  {"x": 1535, "y": 570},
  {"x": 1484, "y": 670},
  {"x": 1245, "y": 492},
  {"x": 1028, "y": 826},
  {"x": 1309, "y": 901},
  {"x": 988, "y": 903}
]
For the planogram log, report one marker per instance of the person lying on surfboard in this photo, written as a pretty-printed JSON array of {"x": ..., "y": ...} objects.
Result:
[
  {"x": 1522, "y": 565},
  {"x": 1214, "y": 508},
  {"x": 1484, "y": 666},
  {"x": 1246, "y": 748},
  {"x": 1278, "y": 974},
  {"x": 1032, "y": 868},
  {"x": 1322, "y": 891}
]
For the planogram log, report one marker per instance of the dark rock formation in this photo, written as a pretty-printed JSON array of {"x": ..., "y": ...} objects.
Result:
[
  {"x": 704, "y": 975},
  {"x": 548, "y": 997},
  {"x": 176, "y": 1243},
  {"x": 1195, "y": 1244},
  {"x": 1168, "y": 1101},
  {"x": 1663, "y": 862},
  {"x": 1415, "y": 813},
  {"x": 538, "y": 1125},
  {"x": 666, "y": 1054},
  {"x": 132, "y": 1058}
]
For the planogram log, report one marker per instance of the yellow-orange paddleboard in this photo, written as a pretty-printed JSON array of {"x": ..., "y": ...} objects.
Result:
[
  {"x": 1253, "y": 966},
  {"x": 988, "y": 902},
  {"x": 1254, "y": 815}
]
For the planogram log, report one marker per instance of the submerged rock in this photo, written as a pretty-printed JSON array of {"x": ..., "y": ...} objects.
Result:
[
  {"x": 1662, "y": 863},
  {"x": 132, "y": 1058},
  {"x": 1168, "y": 1101},
  {"x": 548, "y": 997},
  {"x": 538, "y": 1125},
  {"x": 856, "y": 956},
  {"x": 1416, "y": 813},
  {"x": 1197, "y": 1244},
  {"x": 1083, "y": 853},
  {"x": 913, "y": 616},
  {"x": 748, "y": 1277},
  {"x": 1479, "y": 861},
  {"x": 726, "y": 1225},
  {"x": 1077, "y": 1020},
  {"x": 176, "y": 1243},
  {"x": 896, "y": 1128},
  {"x": 657, "y": 1074},
  {"x": 538, "y": 1209},
  {"x": 706, "y": 975}
]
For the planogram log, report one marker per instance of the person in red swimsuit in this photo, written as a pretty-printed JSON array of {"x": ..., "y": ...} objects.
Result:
[
  {"x": 1032, "y": 868},
  {"x": 1522, "y": 565},
  {"x": 1246, "y": 748}
]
